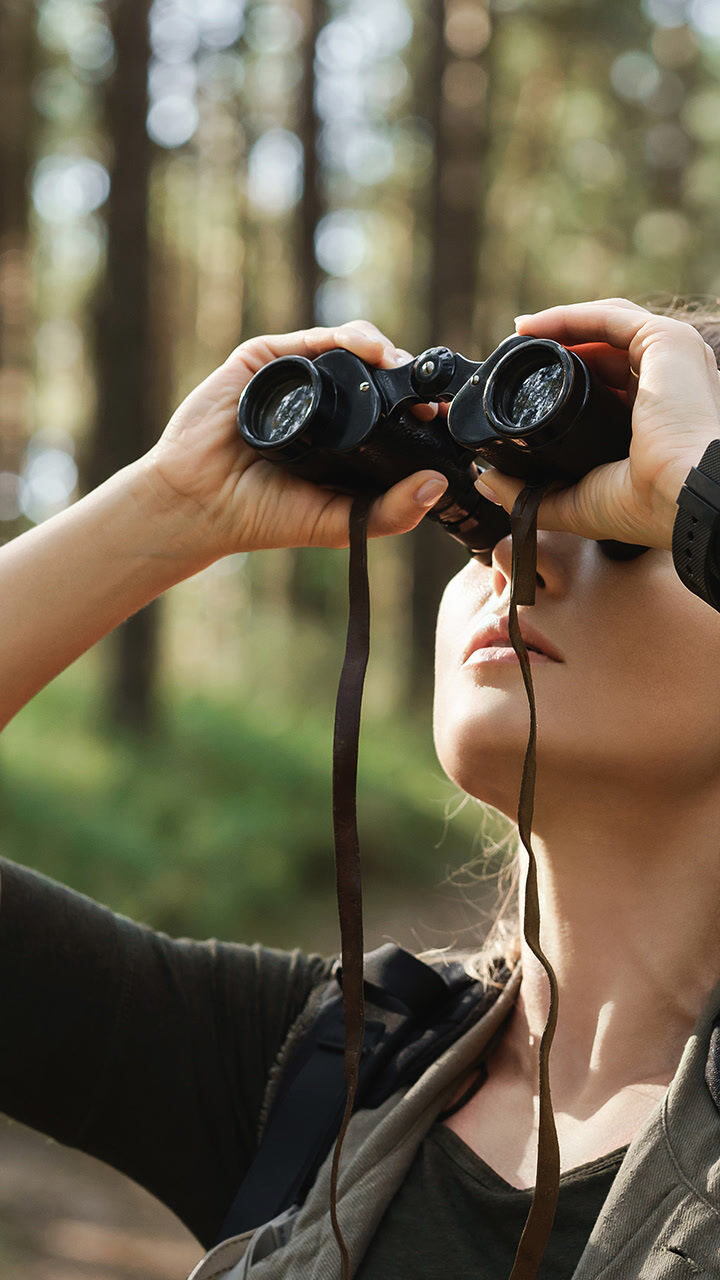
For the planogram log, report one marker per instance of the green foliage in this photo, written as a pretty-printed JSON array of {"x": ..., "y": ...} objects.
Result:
[{"x": 219, "y": 824}]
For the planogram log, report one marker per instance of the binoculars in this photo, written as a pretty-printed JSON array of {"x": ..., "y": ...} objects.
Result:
[{"x": 532, "y": 408}]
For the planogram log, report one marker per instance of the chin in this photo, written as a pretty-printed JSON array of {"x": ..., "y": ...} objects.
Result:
[{"x": 483, "y": 753}]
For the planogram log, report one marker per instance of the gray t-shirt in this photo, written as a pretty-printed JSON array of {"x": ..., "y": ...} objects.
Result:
[{"x": 455, "y": 1217}]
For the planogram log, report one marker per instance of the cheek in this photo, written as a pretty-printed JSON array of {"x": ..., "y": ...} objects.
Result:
[
  {"x": 464, "y": 595},
  {"x": 667, "y": 655},
  {"x": 636, "y": 698},
  {"x": 475, "y": 729}
]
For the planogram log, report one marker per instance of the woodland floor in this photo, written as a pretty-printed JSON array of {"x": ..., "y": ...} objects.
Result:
[{"x": 65, "y": 1216}]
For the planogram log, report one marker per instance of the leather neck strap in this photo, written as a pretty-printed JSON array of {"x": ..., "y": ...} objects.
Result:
[
  {"x": 523, "y": 521},
  {"x": 347, "y": 851},
  {"x": 533, "y": 1242}
]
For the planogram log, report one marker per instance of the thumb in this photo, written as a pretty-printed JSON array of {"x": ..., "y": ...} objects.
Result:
[{"x": 403, "y": 506}]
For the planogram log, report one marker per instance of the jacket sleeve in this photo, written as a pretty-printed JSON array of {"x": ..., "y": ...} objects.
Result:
[{"x": 150, "y": 1053}]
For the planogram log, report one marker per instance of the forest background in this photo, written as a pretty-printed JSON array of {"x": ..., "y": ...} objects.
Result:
[{"x": 178, "y": 176}]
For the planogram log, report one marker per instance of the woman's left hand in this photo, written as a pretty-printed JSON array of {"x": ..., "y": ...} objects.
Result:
[{"x": 664, "y": 369}]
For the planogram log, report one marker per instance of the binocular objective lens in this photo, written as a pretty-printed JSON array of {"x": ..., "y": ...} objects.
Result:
[
  {"x": 283, "y": 411},
  {"x": 535, "y": 395}
]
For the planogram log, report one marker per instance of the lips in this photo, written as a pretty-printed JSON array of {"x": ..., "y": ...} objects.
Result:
[{"x": 495, "y": 634}]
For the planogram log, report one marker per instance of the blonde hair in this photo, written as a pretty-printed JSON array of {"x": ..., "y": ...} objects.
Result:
[{"x": 496, "y": 862}]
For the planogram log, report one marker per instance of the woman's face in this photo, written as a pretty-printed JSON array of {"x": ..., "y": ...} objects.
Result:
[{"x": 633, "y": 700}]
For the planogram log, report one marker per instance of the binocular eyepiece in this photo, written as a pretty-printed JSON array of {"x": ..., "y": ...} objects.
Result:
[{"x": 533, "y": 409}]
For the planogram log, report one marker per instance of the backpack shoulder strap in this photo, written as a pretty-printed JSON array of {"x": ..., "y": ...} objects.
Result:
[{"x": 414, "y": 1010}]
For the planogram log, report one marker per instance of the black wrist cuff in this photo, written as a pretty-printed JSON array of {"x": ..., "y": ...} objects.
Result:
[{"x": 696, "y": 532}]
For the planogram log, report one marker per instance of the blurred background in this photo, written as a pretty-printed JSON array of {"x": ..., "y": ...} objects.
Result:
[{"x": 175, "y": 177}]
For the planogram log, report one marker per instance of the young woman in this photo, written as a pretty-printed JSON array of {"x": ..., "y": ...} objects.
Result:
[{"x": 154, "y": 1054}]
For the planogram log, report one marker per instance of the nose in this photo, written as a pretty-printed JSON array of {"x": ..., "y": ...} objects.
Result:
[{"x": 552, "y": 563}]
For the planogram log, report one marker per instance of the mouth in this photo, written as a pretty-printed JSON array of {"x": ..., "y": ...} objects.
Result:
[{"x": 491, "y": 643}]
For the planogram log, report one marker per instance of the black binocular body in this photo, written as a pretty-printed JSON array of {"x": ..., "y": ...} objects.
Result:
[{"x": 533, "y": 409}]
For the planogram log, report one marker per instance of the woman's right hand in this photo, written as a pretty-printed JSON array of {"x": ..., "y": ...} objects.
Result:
[
  {"x": 664, "y": 370},
  {"x": 230, "y": 499}
]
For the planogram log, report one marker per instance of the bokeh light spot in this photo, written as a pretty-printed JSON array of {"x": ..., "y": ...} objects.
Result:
[
  {"x": 701, "y": 115},
  {"x": 47, "y": 482},
  {"x": 172, "y": 120},
  {"x": 369, "y": 155},
  {"x": 275, "y": 172},
  {"x": 340, "y": 242},
  {"x": 273, "y": 28},
  {"x": 635, "y": 75},
  {"x": 337, "y": 300},
  {"x": 666, "y": 13},
  {"x": 467, "y": 29},
  {"x": 705, "y": 17},
  {"x": 174, "y": 35},
  {"x": 67, "y": 187}
]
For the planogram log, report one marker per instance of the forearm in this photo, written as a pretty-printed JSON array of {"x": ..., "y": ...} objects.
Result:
[{"x": 71, "y": 580}]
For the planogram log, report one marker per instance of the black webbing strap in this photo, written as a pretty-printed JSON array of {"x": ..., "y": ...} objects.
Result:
[{"x": 539, "y": 1222}]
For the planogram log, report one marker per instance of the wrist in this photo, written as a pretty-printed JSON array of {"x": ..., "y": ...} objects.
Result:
[
  {"x": 674, "y": 474},
  {"x": 167, "y": 525},
  {"x": 668, "y": 484}
]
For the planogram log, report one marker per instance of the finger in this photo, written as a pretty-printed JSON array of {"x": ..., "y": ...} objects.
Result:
[
  {"x": 554, "y": 513},
  {"x": 592, "y": 508},
  {"x": 397, "y": 511},
  {"x": 367, "y": 346},
  {"x": 610, "y": 365},
  {"x": 392, "y": 355},
  {"x": 403, "y": 506},
  {"x": 614, "y": 321},
  {"x": 652, "y": 339},
  {"x": 425, "y": 412}
]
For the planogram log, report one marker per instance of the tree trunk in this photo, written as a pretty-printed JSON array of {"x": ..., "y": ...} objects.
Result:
[
  {"x": 17, "y": 26},
  {"x": 455, "y": 90},
  {"x": 311, "y": 210},
  {"x": 313, "y": 205},
  {"x": 127, "y": 406}
]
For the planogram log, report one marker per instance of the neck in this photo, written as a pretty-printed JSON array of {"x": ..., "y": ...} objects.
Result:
[{"x": 629, "y": 887}]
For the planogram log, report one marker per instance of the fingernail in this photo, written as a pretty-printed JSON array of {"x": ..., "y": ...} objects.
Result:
[
  {"x": 487, "y": 492},
  {"x": 430, "y": 491},
  {"x": 519, "y": 319},
  {"x": 402, "y": 357}
]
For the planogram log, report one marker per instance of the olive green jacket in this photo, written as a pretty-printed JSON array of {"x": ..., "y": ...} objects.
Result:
[{"x": 661, "y": 1220}]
